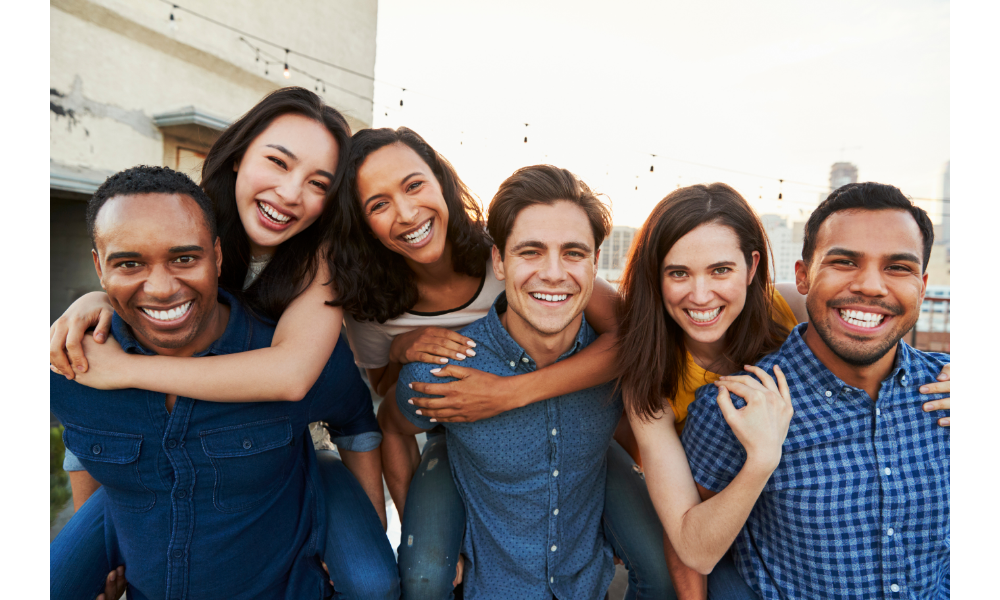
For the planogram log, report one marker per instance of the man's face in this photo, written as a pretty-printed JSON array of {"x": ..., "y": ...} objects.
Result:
[
  {"x": 864, "y": 286},
  {"x": 160, "y": 267},
  {"x": 549, "y": 266}
]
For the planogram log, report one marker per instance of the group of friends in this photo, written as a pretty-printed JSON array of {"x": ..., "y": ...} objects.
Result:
[{"x": 718, "y": 434}]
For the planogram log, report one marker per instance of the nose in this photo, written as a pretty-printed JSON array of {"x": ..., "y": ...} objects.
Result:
[
  {"x": 290, "y": 190},
  {"x": 161, "y": 284},
  {"x": 701, "y": 290},
  {"x": 406, "y": 210},
  {"x": 552, "y": 269},
  {"x": 869, "y": 281}
]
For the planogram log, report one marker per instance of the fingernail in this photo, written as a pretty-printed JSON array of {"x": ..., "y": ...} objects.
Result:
[
  {"x": 78, "y": 367},
  {"x": 945, "y": 421},
  {"x": 410, "y": 401},
  {"x": 99, "y": 337},
  {"x": 437, "y": 370},
  {"x": 942, "y": 377},
  {"x": 929, "y": 407},
  {"x": 444, "y": 360},
  {"x": 113, "y": 576},
  {"x": 409, "y": 385},
  {"x": 923, "y": 389},
  {"x": 121, "y": 570},
  {"x": 460, "y": 356},
  {"x": 471, "y": 343},
  {"x": 470, "y": 352},
  {"x": 434, "y": 420},
  {"x": 419, "y": 413}
]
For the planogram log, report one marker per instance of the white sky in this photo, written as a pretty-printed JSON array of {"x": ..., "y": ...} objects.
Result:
[{"x": 781, "y": 89}]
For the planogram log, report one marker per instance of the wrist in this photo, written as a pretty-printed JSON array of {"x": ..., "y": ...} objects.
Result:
[
  {"x": 762, "y": 464},
  {"x": 519, "y": 391}
]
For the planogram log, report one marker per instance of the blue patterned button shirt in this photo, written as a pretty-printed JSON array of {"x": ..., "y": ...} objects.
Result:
[
  {"x": 532, "y": 479},
  {"x": 214, "y": 499},
  {"x": 859, "y": 505}
]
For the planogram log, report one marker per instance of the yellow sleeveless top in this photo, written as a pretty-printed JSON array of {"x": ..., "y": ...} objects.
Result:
[{"x": 695, "y": 376}]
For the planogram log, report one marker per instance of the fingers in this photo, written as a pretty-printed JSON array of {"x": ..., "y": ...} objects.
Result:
[
  {"x": 74, "y": 345},
  {"x": 57, "y": 353},
  {"x": 941, "y": 404},
  {"x": 103, "y": 326},
  {"x": 726, "y": 405},
  {"x": 939, "y": 387},
  {"x": 743, "y": 390},
  {"x": 945, "y": 374},
  {"x": 944, "y": 422},
  {"x": 765, "y": 378},
  {"x": 782, "y": 384}
]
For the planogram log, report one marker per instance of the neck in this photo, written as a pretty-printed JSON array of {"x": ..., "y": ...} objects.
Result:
[
  {"x": 436, "y": 272},
  {"x": 867, "y": 377},
  {"x": 544, "y": 348},
  {"x": 706, "y": 354},
  {"x": 258, "y": 251}
]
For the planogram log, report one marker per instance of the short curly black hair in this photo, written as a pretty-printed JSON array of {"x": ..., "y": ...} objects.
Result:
[{"x": 144, "y": 179}]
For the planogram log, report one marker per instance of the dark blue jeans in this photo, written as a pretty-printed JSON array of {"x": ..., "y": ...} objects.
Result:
[{"x": 358, "y": 552}]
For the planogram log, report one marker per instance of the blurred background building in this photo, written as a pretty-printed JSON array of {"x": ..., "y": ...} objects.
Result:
[
  {"x": 143, "y": 82},
  {"x": 614, "y": 253}
]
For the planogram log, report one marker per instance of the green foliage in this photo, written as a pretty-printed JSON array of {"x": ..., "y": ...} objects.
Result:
[{"x": 59, "y": 492}]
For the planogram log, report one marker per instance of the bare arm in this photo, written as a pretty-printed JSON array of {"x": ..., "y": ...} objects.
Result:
[
  {"x": 701, "y": 532},
  {"x": 367, "y": 469},
  {"x": 400, "y": 455},
  {"x": 302, "y": 344},
  {"x": 477, "y": 395},
  {"x": 83, "y": 486}
]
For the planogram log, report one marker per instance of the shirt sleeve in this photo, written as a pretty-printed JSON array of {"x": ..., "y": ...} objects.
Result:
[
  {"x": 369, "y": 342},
  {"x": 714, "y": 453},
  {"x": 341, "y": 399},
  {"x": 416, "y": 371},
  {"x": 71, "y": 462}
]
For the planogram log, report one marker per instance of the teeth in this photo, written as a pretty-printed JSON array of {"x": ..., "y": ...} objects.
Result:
[
  {"x": 862, "y": 319},
  {"x": 418, "y": 235},
  {"x": 273, "y": 214},
  {"x": 168, "y": 315},
  {"x": 704, "y": 315},
  {"x": 549, "y": 297}
]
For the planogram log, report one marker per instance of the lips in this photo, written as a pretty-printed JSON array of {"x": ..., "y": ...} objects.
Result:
[
  {"x": 420, "y": 235},
  {"x": 272, "y": 218},
  {"x": 170, "y": 315},
  {"x": 550, "y": 297}
]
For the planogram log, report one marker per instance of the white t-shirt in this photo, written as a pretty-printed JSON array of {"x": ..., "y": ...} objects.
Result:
[{"x": 370, "y": 340}]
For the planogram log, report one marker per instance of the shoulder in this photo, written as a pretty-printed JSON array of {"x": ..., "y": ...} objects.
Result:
[{"x": 929, "y": 362}]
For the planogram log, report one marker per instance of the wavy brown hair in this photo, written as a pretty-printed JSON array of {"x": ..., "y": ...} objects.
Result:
[
  {"x": 651, "y": 358},
  {"x": 374, "y": 283}
]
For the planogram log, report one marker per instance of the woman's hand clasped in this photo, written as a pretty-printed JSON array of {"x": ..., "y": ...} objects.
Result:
[
  {"x": 762, "y": 425},
  {"x": 475, "y": 395},
  {"x": 108, "y": 365},
  {"x": 66, "y": 351},
  {"x": 434, "y": 345},
  {"x": 943, "y": 386}
]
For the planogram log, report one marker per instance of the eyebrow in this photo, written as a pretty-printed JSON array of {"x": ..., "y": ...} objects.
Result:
[
  {"x": 402, "y": 182},
  {"x": 181, "y": 249},
  {"x": 898, "y": 256},
  {"x": 118, "y": 255},
  {"x": 724, "y": 263},
  {"x": 292, "y": 156},
  {"x": 543, "y": 245}
]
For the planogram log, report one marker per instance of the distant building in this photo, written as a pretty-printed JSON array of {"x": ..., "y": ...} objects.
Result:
[
  {"x": 783, "y": 246},
  {"x": 614, "y": 252},
  {"x": 139, "y": 83},
  {"x": 943, "y": 234},
  {"x": 842, "y": 173}
]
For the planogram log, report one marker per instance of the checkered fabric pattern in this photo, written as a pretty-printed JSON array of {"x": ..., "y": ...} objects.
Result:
[{"x": 859, "y": 505}]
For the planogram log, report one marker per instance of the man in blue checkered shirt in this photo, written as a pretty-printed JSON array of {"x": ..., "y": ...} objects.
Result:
[{"x": 859, "y": 505}]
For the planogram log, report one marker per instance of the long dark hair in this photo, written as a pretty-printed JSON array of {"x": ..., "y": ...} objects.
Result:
[
  {"x": 651, "y": 355},
  {"x": 294, "y": 263},
  {"x": 374, "y": 283}
]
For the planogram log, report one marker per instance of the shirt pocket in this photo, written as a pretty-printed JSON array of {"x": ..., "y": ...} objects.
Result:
[
  {"x": 112, "y": 458},
  {"x": 250, "y": 461}
]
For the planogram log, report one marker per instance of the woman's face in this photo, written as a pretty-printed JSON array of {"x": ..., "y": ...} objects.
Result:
[
  {"x": 704, "y": 280},
  {"x": 282, "y": 180},
  {"x": 402, "y": 203}
]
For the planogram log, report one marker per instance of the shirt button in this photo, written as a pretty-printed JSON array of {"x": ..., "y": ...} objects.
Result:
[
  {"x": 554, "y": 431},
  {"x": 171, "y": 443},
  {"x": 181, "y": 494},
  {"x": 96, "y": 448},
  {"x": 553, "y": 548},
  {"x": 829, "y": 393},
  {"x": 878, "y": 412},
  {"x": 888, "y": 471},
  {"x": 512, "y": 363},
  {"x": 894, "y": 587},
  {"x": 178, "y": 553},
  {"x": 891, "y": 531},
  {"x": 524, "y": 359},
  {"x": 902, "y": 380},
  {"x": 552, "y": 579},
  {"x": 556, "y": 512},
  {"x": 555, "y": 473},
  {"x": 247, "y": 444},
  {"x": 846, "y": 390}
]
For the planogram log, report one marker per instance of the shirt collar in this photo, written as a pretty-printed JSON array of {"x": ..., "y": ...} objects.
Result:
[
  {"x": 236, "y": 337},
  {"x": 511, "y": 351},
  {"x": 816, "y": 375}
]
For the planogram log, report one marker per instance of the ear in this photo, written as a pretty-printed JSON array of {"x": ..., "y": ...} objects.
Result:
[
  {"x": 236, "y": 166},
  {"x": 497, "y": 263},
  {"x": 100, "y": 273},
  {"x": 802, "y": 277},
  {"x": 923, "y": 287},
  {"x": 218, "y": 257},
  {"x": 755, "y": 259}
]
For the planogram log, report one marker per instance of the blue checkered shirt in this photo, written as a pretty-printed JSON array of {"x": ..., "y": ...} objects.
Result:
[
  {"x": 532, "y": 479},
  {"x": 859, "y": 505}
]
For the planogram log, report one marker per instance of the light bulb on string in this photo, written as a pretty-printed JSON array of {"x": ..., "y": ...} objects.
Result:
[
  {"x": 780, "y": 183},
  {"x": 651, "y": 166},
  {"x": 288, "y": 74},
  {"x": 401, "y": 99},
  {"x": 525, "y": 137},
  {"x": 173, "y": 21}
]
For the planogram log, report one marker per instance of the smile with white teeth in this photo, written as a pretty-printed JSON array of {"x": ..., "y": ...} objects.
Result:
[
  {"x": 419, "y": 235},
  {"x": 169, "y": 315},
  {"x": 549, "y": 297},
  {"x": 272, "y": 214},
  {"x": 703, "y": 316},
  {"x": 861, "y": 319}
]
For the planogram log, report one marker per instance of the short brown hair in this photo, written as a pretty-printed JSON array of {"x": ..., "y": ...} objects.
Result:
[{"x": 543, "y": 184}]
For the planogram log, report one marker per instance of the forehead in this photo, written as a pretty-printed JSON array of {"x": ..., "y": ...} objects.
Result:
[
  {"x": 707, "y": 243},
  {"x": 302, "y": 135},
  {"x": 149, "y": 221},
  {"x": 872, "y": 232},
  {"x": 390, "y": 164},
  {"x": 559, "y": 223}
]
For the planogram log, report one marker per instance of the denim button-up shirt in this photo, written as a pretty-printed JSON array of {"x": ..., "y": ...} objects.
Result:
[
  {"x": 213, "y": 500},
  {"x": 532, "y": 479},
  {"x": 859, "y": 504}
]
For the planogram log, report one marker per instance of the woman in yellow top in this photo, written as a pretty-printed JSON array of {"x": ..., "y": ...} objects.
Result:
[{"x": 697, "y": 302}]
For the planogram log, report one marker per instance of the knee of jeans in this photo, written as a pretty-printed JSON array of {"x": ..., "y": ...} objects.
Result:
[
  {"x": 382, "y": 587},
  {"x": 428, "y": 577}
]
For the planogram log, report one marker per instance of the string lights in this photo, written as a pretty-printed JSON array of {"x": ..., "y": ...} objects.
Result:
[{"x": 288, "y": 74}]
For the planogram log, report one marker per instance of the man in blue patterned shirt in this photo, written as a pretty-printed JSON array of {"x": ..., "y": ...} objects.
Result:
[
  {"x": 859, "y": 505},
  {"x": 532, "y": 479}
]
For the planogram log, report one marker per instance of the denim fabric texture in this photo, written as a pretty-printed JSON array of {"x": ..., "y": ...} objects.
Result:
[
  {"x": 531, "y": 479},
  {"x": 858, "y": 508},
  {"x": 204, "y": 495}
]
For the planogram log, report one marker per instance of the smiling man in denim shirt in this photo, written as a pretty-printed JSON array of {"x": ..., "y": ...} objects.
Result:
[{"x": 202, "y": 499}]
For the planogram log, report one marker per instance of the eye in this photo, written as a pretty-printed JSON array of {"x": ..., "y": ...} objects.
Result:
[
  {"x": 278, "y": 161},
  {"x": 900, "y": 268},
  {"x": 414, "y": 185},
  {"x": 721, "y": 270},
  {"x": 377, "y": 206},
  {"x": 128, "y": 264},
  {"x": 676, "y": 274},
  {"x": 320, "y": 184},
  {"x": 576, "y": 254},
  {"x": 185, "y": 259},
  {"x": 528, "y": 253},
  {"x": 842, "y": 262}
]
